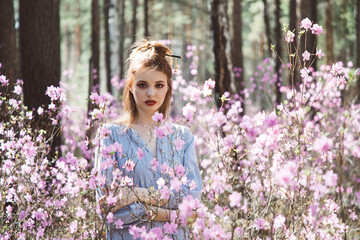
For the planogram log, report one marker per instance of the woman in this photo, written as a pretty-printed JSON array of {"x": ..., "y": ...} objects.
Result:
[{"x": 152, "y": 171}]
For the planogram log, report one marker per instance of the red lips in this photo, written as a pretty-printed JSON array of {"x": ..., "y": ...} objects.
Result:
[{"x": 150, "y": 102}]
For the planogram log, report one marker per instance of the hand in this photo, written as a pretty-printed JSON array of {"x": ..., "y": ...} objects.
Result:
[
  {"x": 150, "y": 198},
  {"x": 128, "y": 199}
]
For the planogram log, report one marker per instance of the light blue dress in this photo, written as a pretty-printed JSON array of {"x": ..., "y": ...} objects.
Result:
[{"x": 144, "y": 176}]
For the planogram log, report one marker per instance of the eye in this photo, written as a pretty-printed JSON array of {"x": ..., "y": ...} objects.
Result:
[
  {"x": 141, "y": 85},
  {"x": 159, "y": 85}
]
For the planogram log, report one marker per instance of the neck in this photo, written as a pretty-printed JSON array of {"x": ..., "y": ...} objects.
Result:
[{"x": 144, "y": 121}]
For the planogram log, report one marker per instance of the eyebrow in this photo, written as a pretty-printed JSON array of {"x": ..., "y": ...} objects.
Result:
[{"x": 158, "y": 81}]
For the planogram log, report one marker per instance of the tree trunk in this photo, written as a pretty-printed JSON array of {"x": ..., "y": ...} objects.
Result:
[
  {"x": 308, "y": 10},
  {"x": 106, "y": 7},
  {"x": 294, "y": 77},
  {"x": 40, "y": 56},
  {"x": 222, "y": 73},
  {"x": 358, "y": 34},
  {"x": 278, "y": 49},
  {"x": 8, "y": 53},
  {"x": 94, "y": 81},
  {"x": 358, "y": 47},
  {"x": 267, "y": 27},
  {"x": 329, "y": 34},
  {"x": 134, "y": 20},
  {"x": 236, "y": 50},
  {"x": 78, "y": 34},
  {"x": 146, "y": 19},
  {"x": 122, "y": 27}
]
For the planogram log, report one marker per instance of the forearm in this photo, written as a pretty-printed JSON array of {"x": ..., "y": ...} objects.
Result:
[
  {"x": 128, "y": 196},
  {"x": 161, "y": 214}
]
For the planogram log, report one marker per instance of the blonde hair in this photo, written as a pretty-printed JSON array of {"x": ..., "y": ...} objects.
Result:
[{"x": 146, "y": 55}]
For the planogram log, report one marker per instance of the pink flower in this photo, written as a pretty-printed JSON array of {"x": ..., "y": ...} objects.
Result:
[
  {"x": 340, "y": 80},
  {"x": 130, "y": 165},
  {"x": 279, "y": 222},
  {"x": 187, "y": 206},
  {"x": 161, "y": 183},
  {"x": 305, "y": 23},
  {"x": 207, "y": 87},
  {"x": 17, "y": 90},
  {"x": 3, "y": 80},
  {"x": 286, "y": 174},
  {"x": 159, "y": 132},
  {"x": 40, "y": 110},
  {"x": 330, "y": 178},
  {"x": 73, "y": 226},
  {"x": 154, "y": 164},
  {"x": 167, "y": 127},
  {"x": 179, "y": 143},
  {"x": 110, "y": 217},
  {"x": 323, "y": 144},
  {"x": 55, "y": 93},
  {"x": 316, "y": 29},
  {"x": 319, "y": 53},
  {"x": 135, "y": 231},
  {"x": 165, "y": 192},
  {"x": 235, "y": 199},
  {"x": 170, "y": 228},
  {"x": 304, "y": 73},
  {"x": 179, "y": 170},
  {"x": 306, "y": 56},
  {"x": 336, "y": 69},
  {"x": 96, "y": 114},
  {"x": 175, "y": 184},
  {"x": 80, "y": 213},
  {"x": 188, "y": 112},
  {"x": 192, "y": 185},
  {"x": 119, "y": 224},
  {"x": 261, "y": 224},
  {"x": 157, "y": 117},
  {"x": 140, "y": 153},
  {"x": 289, "y": 36}
]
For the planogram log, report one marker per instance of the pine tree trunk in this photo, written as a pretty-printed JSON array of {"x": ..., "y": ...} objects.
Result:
[
  {"x": 106, "y": 7},
  {"x": 146, "y": 19},
  {"x": 122, "y": 27},
  {"x": 329, "y": 34},
  {"x": 78, "y": 34},
  {"x": 8, "y": 50},
  {"x": 308, "y": 10},
  {"x": 40, "y": 56},
  {"x": 134, "y": 20},
  {"x": 94, "y": 82},
  {"x": 236, "y": 50},
  {"x": 267, "y": 28},
  {"x": 358, "y": 47},
  {"x": 222, "y": 73},
  {"x": 294, "y": 77},
  {"x": 278, "y": 49}
]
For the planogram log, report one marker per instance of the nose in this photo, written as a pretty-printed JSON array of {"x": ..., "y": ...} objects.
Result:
[{"x": 150, "y": 92}]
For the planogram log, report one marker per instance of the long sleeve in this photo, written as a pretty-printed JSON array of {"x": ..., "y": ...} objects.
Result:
[
  {"x": 133, "y": 213},
  {"x": 192, "y": 172}
]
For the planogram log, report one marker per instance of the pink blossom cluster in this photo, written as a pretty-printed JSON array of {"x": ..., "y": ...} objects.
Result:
[{"x": 289, "y": 172}]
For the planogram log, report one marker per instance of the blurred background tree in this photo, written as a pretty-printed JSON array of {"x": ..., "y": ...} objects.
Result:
[{"x": 250, "y": 27}]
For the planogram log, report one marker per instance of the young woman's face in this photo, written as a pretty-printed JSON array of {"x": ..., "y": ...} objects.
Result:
[{"x": 149, "y": 90}]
